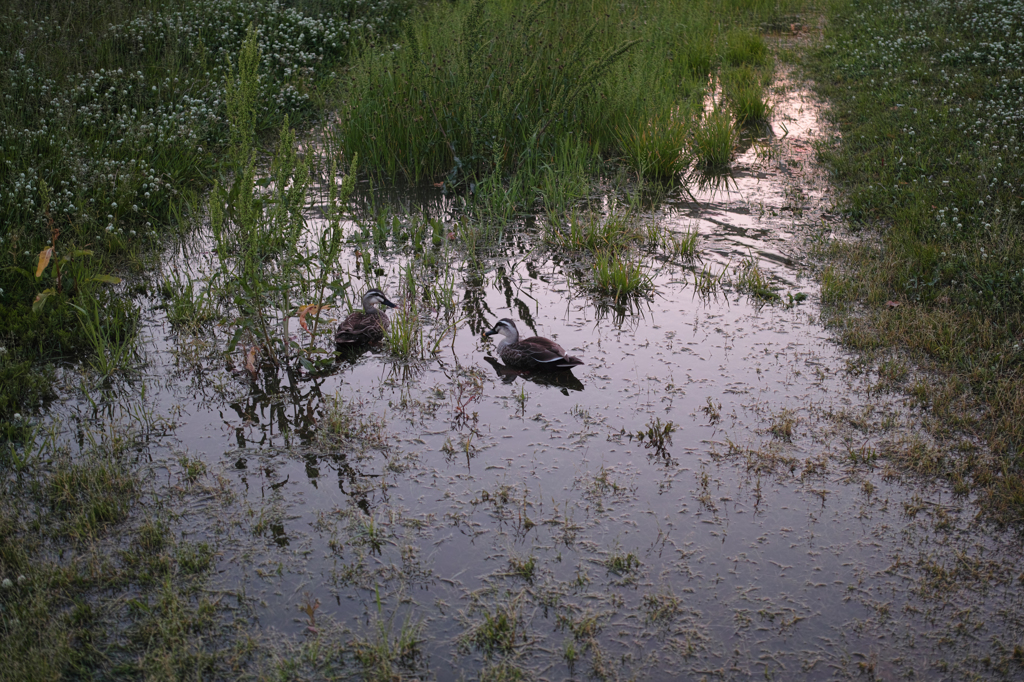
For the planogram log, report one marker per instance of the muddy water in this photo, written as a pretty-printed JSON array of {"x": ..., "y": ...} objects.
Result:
[{"x": 522, "y": 519}]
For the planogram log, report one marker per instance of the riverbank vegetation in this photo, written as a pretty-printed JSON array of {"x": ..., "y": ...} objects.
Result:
[
  {"x": 112, "y": 125},
  {"x": 927, "y": 99},
  {"x": 123, "y": 124}
]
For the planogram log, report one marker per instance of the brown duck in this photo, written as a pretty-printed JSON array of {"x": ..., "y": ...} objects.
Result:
[
  {"x": 367, "y": 325},
  {"x": 535, "y": 352}
]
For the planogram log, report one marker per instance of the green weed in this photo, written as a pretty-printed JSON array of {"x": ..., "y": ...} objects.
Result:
[
  {"x": 751, "y": 279},
  {"x": 713, "y": 140},
  {"x": 621, "y": 274},
  {"x": 745, "y": 91}
]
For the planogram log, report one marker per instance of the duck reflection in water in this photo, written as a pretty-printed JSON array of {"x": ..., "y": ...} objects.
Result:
[{"x": 562, "y": 379}]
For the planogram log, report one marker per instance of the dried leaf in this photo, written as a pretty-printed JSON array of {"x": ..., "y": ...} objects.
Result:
[
  {"x": 44, "y": 259},
  {"x": 250, "y": 361},
  {"x": 309, "y": 310},
  {"x": 893, "y": 304}
]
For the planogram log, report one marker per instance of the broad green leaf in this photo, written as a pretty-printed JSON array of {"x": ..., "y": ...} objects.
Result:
[
  {"x": 41, "y": 297},
  {"x": 109, "y": 279}
]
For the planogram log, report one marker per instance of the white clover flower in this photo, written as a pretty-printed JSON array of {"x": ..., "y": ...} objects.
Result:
[{"x": 7, "y": 583}]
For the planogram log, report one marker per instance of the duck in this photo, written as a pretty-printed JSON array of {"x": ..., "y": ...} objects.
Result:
[
  {"x": 367, "y": 325},
  {"x": 535, "y": 352}
]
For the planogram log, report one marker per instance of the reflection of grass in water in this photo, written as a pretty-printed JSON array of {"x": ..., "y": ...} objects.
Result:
[{"x": 348, "y": 420}]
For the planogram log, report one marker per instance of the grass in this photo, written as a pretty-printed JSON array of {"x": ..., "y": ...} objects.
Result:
[
  {"x": 111, "y": 126},
  {"x": 713, "y": 141},
  {"x": 519, "y": 102},
  {"x": 679, "y": 246},
  {"x": 387, "y": 655},
  {"x": 745, "y": 90},
  {"x": 932, "y": 176},
  {"x": 621, "y": 274},
  {"x": 62, "y": 516},
  {"x": 346, "y": 420},
  {"x": 706, "y": 282},
  {"x": 656, "y": 149},
  {"x": 751, "y": 279}
]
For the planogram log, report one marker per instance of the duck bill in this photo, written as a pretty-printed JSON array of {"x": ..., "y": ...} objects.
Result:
[{"x": 388, "y": 304}]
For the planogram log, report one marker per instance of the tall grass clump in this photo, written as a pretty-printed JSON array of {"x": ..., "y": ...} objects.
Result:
[
  {"x": 745, "y": 90},
  {"x": 656, "y": 149},
  {"x": 929, "y": 156},
  {"x": 621, "y": 273},
  {"x": 745, "y": 48},
  {"x": 487, "y": 88},
  {"x": 713, "y": 140}
]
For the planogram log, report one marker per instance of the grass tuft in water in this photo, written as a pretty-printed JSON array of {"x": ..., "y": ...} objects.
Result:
[
  {"x": 621, "y": 274},
  {"x": 347, "y": 420},
  {"x": 656, "y": 149},
  {"x": 713, "y": 140},
  {"x": 388, "y": 655},
  {"x": 751, "y": 279},
  {"x": 745, "y": 90},
  {"x": 706, "y": 282}
]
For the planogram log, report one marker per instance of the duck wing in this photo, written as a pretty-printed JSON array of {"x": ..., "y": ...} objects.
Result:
[
  {"x": 548, "y": 353},
  {"x": 358, "y": 327}
]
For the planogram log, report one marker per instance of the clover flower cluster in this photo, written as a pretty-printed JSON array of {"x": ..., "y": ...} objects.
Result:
[
  {"x": 954, "y": 128},
  {"x": 115, "y": 145},
  {"x": 985, "y": 37}
]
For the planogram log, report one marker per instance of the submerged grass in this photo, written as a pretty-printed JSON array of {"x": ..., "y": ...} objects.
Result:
[
  {"x": 929, "y": 160},
  {"x": 62, "y": 514}
]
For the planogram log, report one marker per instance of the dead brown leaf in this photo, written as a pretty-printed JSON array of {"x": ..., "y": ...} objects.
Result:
[
  {"x": 250, "y": 361},
  {"x": 44, "y": 259},
  {"x": 309, "y": 310}
]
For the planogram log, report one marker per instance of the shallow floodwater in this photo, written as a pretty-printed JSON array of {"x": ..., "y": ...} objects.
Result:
[{"x": 523, "y": 520}]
